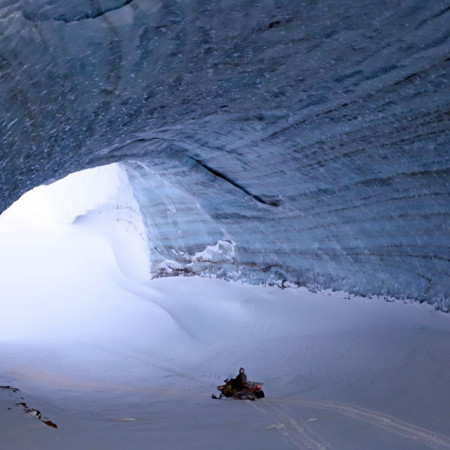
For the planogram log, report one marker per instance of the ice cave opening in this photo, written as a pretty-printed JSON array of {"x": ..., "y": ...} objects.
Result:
[{"x": 97, "y": 201}]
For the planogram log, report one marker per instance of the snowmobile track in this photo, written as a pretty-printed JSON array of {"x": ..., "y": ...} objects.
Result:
[
  {"x": 426, "y": 437},
  {"x": 148, "y": 361},
  {"x": 295, "y": 429}
]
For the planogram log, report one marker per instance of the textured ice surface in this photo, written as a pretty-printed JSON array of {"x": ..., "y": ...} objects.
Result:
[{"x": 309, "y": 139}]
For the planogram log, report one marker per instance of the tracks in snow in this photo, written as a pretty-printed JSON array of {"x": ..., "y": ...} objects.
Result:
[
  {"x": 301, "y": 436},
  {"x": 294, "y": 429},
  {"x": 146, "y": 360}
]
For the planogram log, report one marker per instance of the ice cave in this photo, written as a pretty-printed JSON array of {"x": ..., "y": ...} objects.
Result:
[
  {"x": 279, "y": 143},
  {"x": 311, "y": 138}
]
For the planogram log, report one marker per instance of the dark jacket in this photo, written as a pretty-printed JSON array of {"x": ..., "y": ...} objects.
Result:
[{"x": 241, "y": 379}]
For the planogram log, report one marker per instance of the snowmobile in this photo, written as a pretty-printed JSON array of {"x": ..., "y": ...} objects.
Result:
[{"x": 251, "y": 390}]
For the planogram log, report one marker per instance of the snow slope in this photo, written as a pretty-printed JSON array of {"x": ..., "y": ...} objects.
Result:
[{"x": 118, "y": 361}]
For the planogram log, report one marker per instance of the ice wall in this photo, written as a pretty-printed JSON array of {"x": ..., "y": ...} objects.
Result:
[{"x": 271, "y": 141}]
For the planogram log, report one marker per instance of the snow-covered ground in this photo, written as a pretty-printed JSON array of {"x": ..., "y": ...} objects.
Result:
[{"x": 118, "y": 361}]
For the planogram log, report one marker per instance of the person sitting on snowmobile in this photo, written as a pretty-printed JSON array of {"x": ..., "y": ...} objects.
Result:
[
  {"x": 239, "y": 382},
  {"x": 241, "y": 378}
]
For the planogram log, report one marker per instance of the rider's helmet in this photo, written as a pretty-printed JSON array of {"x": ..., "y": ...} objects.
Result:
[{"x": 241, "y": 370}]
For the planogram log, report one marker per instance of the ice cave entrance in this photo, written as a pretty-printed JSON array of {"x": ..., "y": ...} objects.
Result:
[{"x": 93, "y": 202}]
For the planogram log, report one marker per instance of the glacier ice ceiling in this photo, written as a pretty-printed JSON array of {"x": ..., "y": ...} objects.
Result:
[{"x": 278, "y": 141}]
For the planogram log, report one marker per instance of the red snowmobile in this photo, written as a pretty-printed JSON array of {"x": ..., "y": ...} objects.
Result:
[{"x": 251, "y": 390}]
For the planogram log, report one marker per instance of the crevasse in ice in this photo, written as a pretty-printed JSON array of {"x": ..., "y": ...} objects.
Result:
[{"x": 276, "y": 141}]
